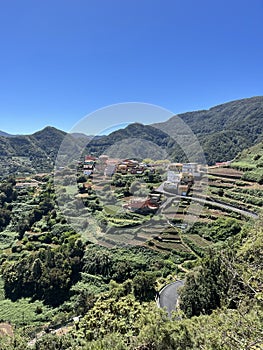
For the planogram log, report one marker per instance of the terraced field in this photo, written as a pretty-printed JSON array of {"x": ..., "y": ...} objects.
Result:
[
  {"x": 245, "y": 195},
  {"x": 170, "y": 230}
]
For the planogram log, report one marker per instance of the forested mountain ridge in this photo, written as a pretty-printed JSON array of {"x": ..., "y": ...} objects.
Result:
[
  {"x": 223, "y": 131},
  {"x": 44, "y": 141},
  {"x": 3, "y": 133},
  {"x": 119, "y": 143},
  {"x": 232, "y": 115},
  {"x": 30, "y": 153}
]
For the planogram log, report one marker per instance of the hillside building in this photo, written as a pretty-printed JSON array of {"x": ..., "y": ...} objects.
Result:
[
  {"x": 192, "y": 168},
  {"x": 175, "y": 167},
  {"x": 183, "y": 190},
  {"x": 171, "y": 187},
  {"x": 143, "y": 206},
  {"x": 173, "y": 176}
]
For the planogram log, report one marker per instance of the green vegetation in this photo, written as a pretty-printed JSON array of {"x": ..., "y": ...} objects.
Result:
[
  {"x": 251, "y": 162},
  {"x": 218, "y": 230},
  {"x": 45, "y": 275},
  {"x": 50, "y": 274},
  {"x": 221, "y": 307},
  {"x": 24, "y": 312},
  {"x": 227, "y": 277},
  {"x": 223, "y": 131},
  {"x": 33, "y": 153},
  {"x": 7, "y": 195}
]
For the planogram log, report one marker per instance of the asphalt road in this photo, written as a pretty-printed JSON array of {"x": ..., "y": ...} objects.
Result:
[
  {"x": 212, "y": 202},
  {"x": 168, "y": 296},
  {"x": 225, "y": 206}
]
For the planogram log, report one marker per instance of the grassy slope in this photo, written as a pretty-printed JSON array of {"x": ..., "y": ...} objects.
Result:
[
  {"x": 23, "y": 311},
  {"x": 251, "y": 161}
]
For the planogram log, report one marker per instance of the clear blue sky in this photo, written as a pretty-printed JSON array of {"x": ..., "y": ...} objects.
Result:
[{"x": 63, "y": 59}]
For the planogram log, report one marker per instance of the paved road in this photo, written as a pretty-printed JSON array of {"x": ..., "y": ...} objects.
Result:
[
  {"x": 206, "y": 201},
  {"x": 168, "y": 296},
  {"x": 225, "y": 206}
]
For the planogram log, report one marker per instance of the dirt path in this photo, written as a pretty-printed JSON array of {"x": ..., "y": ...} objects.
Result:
[{"x": 6, "y": 329}]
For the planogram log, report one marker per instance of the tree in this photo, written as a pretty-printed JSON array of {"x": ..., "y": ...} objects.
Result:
[
  {"x": 98, "y": 262},
  {"x": 46, "y": 274},
  {"x": 37, "y": 269},
  {"x": 81, "y": 179},
  {"x": 5, "y": 217},
  {"x": 144, "y": 286}
]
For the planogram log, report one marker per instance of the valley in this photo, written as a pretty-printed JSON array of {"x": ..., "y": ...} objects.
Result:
[
  {"x": 165, "y": 246},
  {"x": 87, "y": 244},
  {"x": 131, "y": 175}
]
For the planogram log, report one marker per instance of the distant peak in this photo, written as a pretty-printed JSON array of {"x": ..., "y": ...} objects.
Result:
[
  {"x": 3, "y": 133},
  {"x": 49, "y": 129}
]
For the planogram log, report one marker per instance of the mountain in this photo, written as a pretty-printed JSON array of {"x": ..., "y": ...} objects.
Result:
[
  {"x": 222, "y": 131},
  {"x": 136, "y": 140},
  {"x": 49, "y": 140},
  {"x": 225, "y": 130},
  {"x": 3, "y": 133},
  {"x": 30, "y": 153},
  {"x": 38, "y": 152}
]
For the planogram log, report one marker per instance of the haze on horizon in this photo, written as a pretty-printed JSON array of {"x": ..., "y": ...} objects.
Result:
[{"x": 61, "y": 60}]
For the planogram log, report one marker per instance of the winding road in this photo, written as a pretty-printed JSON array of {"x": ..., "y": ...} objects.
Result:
[
  {"x": 168, "y": 296},
  {"x": 224, "y": 206},
  {"x": 205, "y": 201}
]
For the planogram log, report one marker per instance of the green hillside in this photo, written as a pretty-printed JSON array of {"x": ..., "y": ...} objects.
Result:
[
  {"x": 251, "y": 162},
  {"x": 225, "y": 130},
  {"x": 33, "y": 153},
  {"x": 222, "y": 131},
  {"x": 50, "y": 274},
  {"x": 149, "y": 140}
]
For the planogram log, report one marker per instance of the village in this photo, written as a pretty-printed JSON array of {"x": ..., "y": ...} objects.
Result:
[{"x": 177, "y": 178}]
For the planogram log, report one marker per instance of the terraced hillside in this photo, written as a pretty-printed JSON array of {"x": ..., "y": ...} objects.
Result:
[
  {"x": 50, "y": 272},
  {"x": 250, "y": 161},
  {"x": 229, "y": 202}
]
